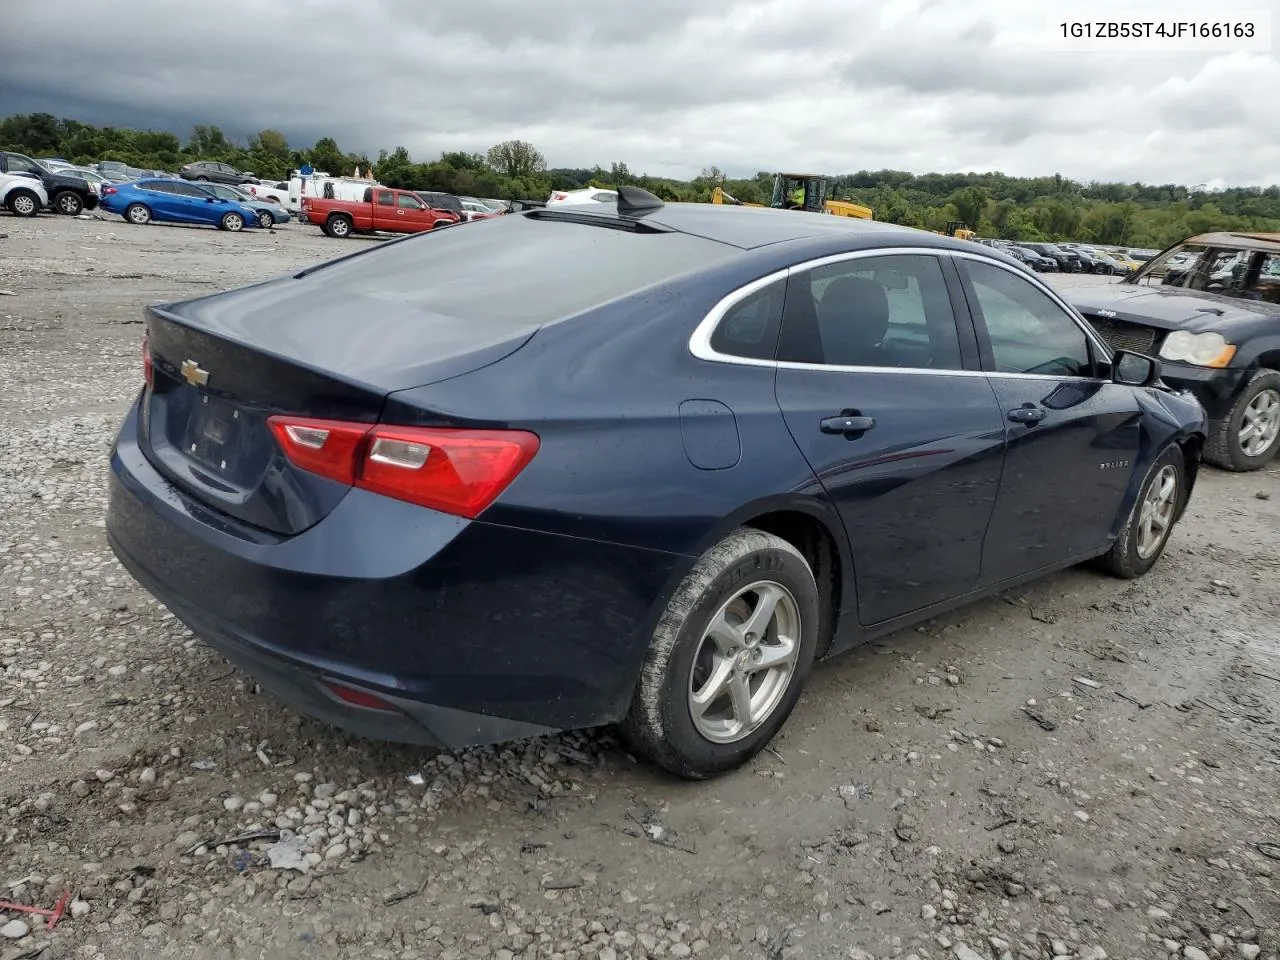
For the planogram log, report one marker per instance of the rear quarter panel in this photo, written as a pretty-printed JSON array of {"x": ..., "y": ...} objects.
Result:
[{"x": 603, "y": 392}]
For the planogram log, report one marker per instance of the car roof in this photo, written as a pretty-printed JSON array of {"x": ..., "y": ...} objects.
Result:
[
  {"x": 752, "y": 227},
  {"x": 1266, "y": 242}
]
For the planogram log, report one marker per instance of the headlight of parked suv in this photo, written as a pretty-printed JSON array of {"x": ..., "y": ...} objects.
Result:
[{"x": 1202, "y": 349}]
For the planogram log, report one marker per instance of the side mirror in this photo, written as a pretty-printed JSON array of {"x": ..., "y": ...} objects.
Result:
[{"x": 1134, "y": 369}]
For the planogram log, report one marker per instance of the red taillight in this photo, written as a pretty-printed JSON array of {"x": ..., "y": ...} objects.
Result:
[
  {"x": 450, "y": 470},
  {"x": 148, "y": 369},
  {"x": 108, "y": 190},
  {"x": 359, "y": 698}
]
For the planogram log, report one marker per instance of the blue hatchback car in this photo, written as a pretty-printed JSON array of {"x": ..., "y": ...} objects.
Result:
[
  {"x": 638, "y": 464},
  {"x": 170, "y": 200}
]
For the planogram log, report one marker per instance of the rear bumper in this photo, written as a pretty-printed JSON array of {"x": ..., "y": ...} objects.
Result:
[
  {"x": 1215, "y": 389},
  {"x": 473, "y": 633}
]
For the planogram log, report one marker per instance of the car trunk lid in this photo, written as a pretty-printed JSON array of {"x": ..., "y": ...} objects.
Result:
[{"x": 223, "y": 365}]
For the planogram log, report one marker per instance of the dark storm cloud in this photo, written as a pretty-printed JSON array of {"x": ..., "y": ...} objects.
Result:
[
  {"x": 669, "y": 86},
  {"x": 505, "y": 21}
]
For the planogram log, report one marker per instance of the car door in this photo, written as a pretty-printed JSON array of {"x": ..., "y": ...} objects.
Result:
[
  {"x": 191, "y": 203},
  {"x": 413, "y": 215},
  {"x": 384, "y": 210},
  {"x": 1072, "y": 435},
  {"x": 884, "y": 396},
  {"x": 162, "y": 198}
]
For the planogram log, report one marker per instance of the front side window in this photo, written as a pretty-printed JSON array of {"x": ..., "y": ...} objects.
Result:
[
  {"x": 1026, "y": 330},
  {"x": 890, "y": 311},
  {"x": 21, "y": 164},
  {"x": 408, "y": 201},
  {"x": 750, "y": 327}
]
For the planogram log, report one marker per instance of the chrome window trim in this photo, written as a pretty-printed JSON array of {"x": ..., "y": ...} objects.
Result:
[{"x": 700, "y": 340}]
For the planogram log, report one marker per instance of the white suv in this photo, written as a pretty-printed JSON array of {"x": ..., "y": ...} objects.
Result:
[{"x": 22, "y": 196}]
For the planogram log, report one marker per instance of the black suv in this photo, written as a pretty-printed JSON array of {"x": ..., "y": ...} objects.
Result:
[
  {"x": 1068, "y": 261},
  {"x": 1209, "y": 308},
  {"x": 67, "y": 194},
  {"x": 442, "y": 201},
  {"x": 213, "y": 171}
]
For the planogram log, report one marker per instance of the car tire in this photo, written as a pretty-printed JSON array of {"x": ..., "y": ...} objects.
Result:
[
  {"x": 68, "y": 202},
  {"x": 22, "y": 203},
  {"x": 202, "y": 179},
  {"x": 231, "y": 222},
  {"x": 266, "y": 221},
  {"x": 138, "y": 214},
  {"x": 1156, "y": 510},
  {"x": 1226, "y": 448},
  {"x": 727, "y": 584},
  {"x": 339, "y": 226}
]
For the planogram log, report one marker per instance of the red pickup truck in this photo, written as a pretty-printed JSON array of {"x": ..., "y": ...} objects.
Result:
[{"x": 382, "y": 209}]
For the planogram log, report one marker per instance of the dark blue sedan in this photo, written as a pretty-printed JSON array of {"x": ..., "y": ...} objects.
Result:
[
  {"x": 176, "y": 201},
  {"x": 634, "y": 464}
]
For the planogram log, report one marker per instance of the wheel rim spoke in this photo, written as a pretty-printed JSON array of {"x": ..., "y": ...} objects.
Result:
[
  {"x": 726, "y": 636},
  {"x": 713, "y": 689},
  {"x": 773, "y": 655},
  {"x": 740, "y": 695},
  {"x": 767, "y": 598}
]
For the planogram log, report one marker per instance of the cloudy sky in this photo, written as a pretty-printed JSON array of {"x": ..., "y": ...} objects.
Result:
[{"x": 671, "y": 86}]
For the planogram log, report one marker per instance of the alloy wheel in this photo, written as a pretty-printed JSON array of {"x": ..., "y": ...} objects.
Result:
[
  {"x": 1155, "y": 518},
  {"x": 744, "y": 662},
  {"x": 1261, "y": 423}
]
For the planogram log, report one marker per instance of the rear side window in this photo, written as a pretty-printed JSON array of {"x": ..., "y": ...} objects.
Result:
[
  {"x": 750, "y": 327},
  {"x": 386, "y": 198},
  {"x": 513, "y": 271},
  {"x": 887, "y": 311}
]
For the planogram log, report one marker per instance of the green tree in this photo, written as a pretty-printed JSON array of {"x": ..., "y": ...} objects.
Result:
[
  {"x": 272, "y": 143},
  {"x": 516, "y": 158},
  {"x": 208, "y": 142},
  {"x": 970, "y": 204},
  {"x": 1051, "y": 207},
  {"x": 327, "y": 158}
]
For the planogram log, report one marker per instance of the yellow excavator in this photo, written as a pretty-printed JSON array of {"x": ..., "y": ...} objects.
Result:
[
  {"x": 957, "y": 229},
  {"x": 800, "y": 191}
]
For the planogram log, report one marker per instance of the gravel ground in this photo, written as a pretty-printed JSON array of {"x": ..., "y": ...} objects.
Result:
[{"x": 1080, "y": 768}]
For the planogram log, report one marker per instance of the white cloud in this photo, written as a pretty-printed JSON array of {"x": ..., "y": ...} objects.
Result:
[{"x": 668, "y": 86}]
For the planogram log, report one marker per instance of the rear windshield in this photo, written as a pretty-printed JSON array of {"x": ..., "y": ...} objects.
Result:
[{"x": 515, "y": 270}]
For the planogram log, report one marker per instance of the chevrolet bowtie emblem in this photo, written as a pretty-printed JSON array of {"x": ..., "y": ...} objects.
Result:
[{"x": 192, "y": 373}]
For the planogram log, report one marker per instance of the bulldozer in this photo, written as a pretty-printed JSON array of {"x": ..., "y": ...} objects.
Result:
[
  {"x": 800, "y": 191},
  {"x": 958, "y": 229}
]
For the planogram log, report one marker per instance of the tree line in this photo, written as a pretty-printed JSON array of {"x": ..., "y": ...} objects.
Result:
[{"x": 996, "y": 205}]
